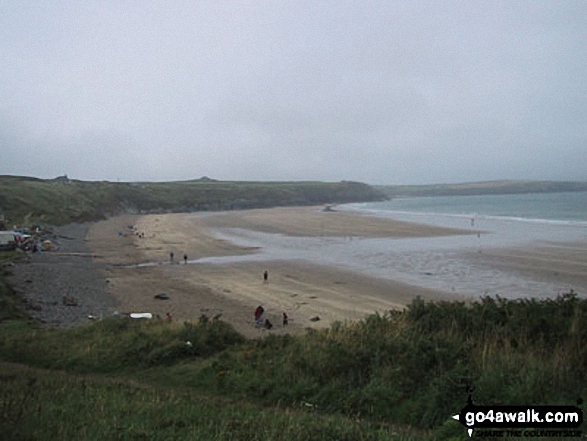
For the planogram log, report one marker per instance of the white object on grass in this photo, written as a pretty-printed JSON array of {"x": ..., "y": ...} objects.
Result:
[{"x": 139, "y": 315}]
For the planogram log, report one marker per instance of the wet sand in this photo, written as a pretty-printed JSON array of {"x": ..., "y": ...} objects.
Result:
[{"x": 561, "y": 264}]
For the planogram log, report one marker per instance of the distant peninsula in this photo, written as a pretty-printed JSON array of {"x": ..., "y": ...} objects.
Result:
[{"x": 481, "y": 188}]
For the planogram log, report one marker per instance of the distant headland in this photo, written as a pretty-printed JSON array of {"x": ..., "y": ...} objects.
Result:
[{"x": 482, "y": 188}]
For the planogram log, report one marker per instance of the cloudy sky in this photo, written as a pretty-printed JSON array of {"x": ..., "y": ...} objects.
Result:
[{"x": 384, "y": 92}]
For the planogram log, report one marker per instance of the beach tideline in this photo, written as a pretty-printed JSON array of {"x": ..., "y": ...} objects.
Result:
[{"x": 232, "y": 291}]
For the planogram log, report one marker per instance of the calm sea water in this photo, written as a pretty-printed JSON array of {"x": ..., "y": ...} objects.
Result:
[{"x": 564, "y": 207}]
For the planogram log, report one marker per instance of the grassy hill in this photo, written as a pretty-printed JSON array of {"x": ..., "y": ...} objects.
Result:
[
  {"x": 31, "y": 200},
  {"x": 479, "y": 188}
]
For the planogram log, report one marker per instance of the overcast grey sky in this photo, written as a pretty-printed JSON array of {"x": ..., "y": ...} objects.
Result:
[{"x": 384, "y": 92}]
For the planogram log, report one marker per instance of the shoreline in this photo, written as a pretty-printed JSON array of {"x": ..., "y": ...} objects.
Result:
[{"x": 330, "y": 290}]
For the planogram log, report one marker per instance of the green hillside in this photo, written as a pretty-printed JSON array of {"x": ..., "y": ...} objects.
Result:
[{"x": 60, "y": 201}]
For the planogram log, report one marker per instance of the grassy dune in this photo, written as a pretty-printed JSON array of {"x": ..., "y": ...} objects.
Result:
[
  {"x": 57, "y": 406},
  {"x": 110, "y": 381},
  {"x": 397, "y": 376},
  {"x": 30, "y": 200}
]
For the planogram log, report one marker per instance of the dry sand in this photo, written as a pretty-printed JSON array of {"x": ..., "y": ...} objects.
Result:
[
  {"x": 234, "y": 290},
  {"x": 315, "y": 222}
]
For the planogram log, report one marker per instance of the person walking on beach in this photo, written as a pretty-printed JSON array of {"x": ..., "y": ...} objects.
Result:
[
  {"x": 265, "y": 276},
  {"x": 185, "y": 258},
  {"x": 171, "y": 257},
  {"x": 285, "y": 319}
]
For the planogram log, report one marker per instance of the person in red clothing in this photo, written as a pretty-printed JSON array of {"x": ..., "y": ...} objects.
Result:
[{"x": 259, "y": 315}]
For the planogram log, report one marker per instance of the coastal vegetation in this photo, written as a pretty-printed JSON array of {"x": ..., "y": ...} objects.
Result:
[
  {"x": 400, "y": 375},
  {"x": 11, "y": 304},
  {"x": 30, "y": 201},
  {"x": 482, "y": 188}
]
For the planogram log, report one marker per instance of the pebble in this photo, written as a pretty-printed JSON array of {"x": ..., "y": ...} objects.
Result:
[{"x": 45, "y": 278}]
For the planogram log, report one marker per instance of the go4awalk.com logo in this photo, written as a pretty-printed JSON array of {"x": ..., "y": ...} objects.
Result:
[{"x": 521, "y": 421}]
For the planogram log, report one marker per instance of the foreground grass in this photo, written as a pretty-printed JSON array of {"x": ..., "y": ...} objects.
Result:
[
  {"x": 35, "y": 404},
  {"x": 204, "y": 381},
  {"x": 11, "y": 304}
]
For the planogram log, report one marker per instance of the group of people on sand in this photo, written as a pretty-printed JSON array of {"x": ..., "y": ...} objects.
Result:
[
  {"x": 260, "y": 311},
  {"x": 260, "y": 319},
  {"x": 265, "y": 323}
]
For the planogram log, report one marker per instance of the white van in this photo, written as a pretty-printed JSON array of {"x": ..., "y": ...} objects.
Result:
[{"x": 7, "y": 240}]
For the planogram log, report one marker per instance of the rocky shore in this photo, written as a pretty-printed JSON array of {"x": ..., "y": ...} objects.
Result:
[{"x": 64, "y": 287}]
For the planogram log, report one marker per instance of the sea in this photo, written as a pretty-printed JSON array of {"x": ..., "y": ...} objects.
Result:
[
  {"x": 451, "y": 264},
  {"x": 568, "y": 207}
]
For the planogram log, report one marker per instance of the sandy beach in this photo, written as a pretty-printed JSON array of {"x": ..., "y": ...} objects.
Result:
[
  {"x": 302, "y": 290},
  {"x": 216, "y": 283},
  {"x": 323, "y": 266}
]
